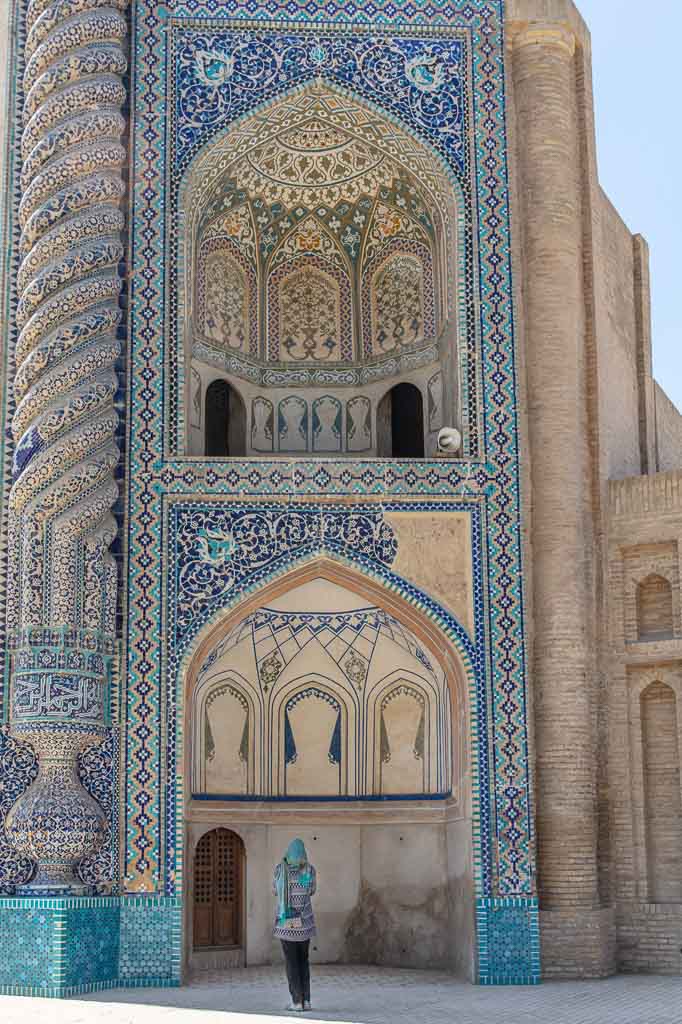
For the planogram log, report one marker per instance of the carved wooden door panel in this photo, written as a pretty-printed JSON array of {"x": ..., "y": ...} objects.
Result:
[
  {"x": 203, "y": 891},
  {"x": 218, "y": 865},
  {"x": 228, "y": 887}
]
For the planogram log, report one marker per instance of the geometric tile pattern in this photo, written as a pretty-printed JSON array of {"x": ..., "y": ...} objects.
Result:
[
  {"x": 60, "y": 947},
  {"x": 55, "y": 947},
  {"x": 508, "y": 941},
  {"x": 150, "y": 941},
  {"x": 477, "y": 28},
  {"x": 435, "y": 53},
  {"x": 340, "y": 634},
  {"x": 91, "y": 945},
  {"x": 27, "y": 958}
]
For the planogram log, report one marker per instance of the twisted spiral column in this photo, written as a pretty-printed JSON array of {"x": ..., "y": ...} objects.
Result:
[{"x": 63, "y": 604}]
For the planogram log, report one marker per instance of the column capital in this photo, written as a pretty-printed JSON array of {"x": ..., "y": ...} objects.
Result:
[{"x": 548, "y": 35}]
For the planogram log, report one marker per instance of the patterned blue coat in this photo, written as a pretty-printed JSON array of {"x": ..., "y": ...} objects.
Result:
[{"x": 302, "y": 885}]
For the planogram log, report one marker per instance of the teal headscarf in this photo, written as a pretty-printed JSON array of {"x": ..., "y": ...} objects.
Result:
[{"x": 295, "y": 857}]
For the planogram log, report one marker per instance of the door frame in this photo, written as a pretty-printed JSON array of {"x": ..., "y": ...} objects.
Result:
[{"x": 236, "y": 955}]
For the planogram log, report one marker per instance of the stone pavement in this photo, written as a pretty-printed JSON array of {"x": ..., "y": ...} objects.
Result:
[{"x": 363, "y": 995}]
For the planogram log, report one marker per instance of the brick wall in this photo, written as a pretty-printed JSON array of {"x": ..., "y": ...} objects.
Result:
[
  {"x": 668, "y": 432},
  {"x": 577, "y": 944},
  {"x": 644, "y": 734},
  {"x": 662, "y": 803},
  {"x": 654, "y": 608},
  {"x": 649, "y": 938},
  {"x": 617, "y": 344}
]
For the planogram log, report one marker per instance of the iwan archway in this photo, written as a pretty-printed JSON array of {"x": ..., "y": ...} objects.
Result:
[
  {"x": 328, "y": 707},
  {"x": 321, "y": 256}
]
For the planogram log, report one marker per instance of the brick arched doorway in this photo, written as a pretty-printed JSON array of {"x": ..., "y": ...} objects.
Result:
[{"x": 219, "y": 874}]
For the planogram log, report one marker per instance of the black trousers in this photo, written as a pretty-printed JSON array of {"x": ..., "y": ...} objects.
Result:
[{"x": 298, "y": 970}]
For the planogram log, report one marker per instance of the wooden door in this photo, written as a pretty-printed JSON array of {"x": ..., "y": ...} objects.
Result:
[{"x": 218, "y": 877}]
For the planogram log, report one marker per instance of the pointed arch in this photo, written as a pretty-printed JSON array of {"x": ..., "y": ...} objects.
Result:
[
  {"x": 424, "y": 618},
  {"x": 433, "y": 630},
  {"x": 225, "y": 698},
  {"x": 412, "y": 159}
]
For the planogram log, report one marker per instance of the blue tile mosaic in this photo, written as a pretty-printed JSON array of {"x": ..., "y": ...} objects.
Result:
[
  {"x": 57, "y": 947},
  {"x": 150, "y": 941},
  {"x": 62, "y": 947},
  {"x": 508, "y": 941},
  {"x": 204, "y": 67},
  {"x": 91, "y": 944}
]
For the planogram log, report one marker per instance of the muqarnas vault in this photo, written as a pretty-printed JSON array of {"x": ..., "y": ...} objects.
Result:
[{"x": 261, "y": 255}]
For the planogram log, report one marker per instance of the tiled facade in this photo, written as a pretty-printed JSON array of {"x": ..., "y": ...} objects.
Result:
[{"x": 130, "y": 557}]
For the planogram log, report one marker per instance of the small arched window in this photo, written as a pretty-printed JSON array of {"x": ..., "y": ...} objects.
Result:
[
  {"x": 400, "y": 423},
  {"x": 654, "y": 609},
  {"x": 225, "y": 421}
]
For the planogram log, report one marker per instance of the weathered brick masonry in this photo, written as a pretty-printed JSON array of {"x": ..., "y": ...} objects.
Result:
[{"x": 606, "y": 640}]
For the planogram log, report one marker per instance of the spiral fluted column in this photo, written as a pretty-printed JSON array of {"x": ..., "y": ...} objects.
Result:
[{"x": 63, "y": 576}]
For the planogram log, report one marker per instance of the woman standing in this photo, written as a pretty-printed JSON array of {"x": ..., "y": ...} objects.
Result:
[{"x": 294, "y": 883}]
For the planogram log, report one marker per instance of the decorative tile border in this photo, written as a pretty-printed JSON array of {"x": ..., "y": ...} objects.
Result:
[
  {"x": 508, "y": 941},
  {"x": 150, "y": 476},
  {"x": 353, "y": 535}
]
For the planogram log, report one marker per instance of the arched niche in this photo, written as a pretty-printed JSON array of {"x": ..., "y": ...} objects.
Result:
[
  {"x": 354, "y": 661},
  {"x": 355, "y": 250},
  {"x": 311, "y": 741},
  {"x": 369, "y": 825},
  {"x": 409, "y": 732},
  {"x": 662, "y": 792},
  {"x": 224, "y": 420},
  {"x": 226, "y": 717},
  {"x": 654, "y": 600}
]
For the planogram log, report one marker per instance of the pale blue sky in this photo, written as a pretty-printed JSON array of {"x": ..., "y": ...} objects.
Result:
[{"x": 637, "y": 70}]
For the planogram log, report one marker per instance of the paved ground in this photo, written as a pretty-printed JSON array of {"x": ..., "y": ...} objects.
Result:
[{"x": 364, "y": 996}]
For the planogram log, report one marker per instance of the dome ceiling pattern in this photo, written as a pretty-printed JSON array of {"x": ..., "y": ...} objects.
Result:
[
  {"x": 317, "y": 118},
  {"x": 276, "y": 638},
  {"x": 338, "y": 703},
  {"x": 323, "y": 198}
]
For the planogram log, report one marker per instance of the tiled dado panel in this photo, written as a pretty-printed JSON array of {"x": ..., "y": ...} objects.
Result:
[
  {"x": 508, "y": 936},
  {"x": 150, "y": 941},
  {"x": 61, "y": 947},
  {"x": 54, "y": 947}
]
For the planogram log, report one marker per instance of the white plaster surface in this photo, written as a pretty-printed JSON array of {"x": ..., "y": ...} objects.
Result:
[
  {"x": 402, "y": 865},
  {"x": 364, "y": 996},
  {"x": 336, "y": 854}
]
